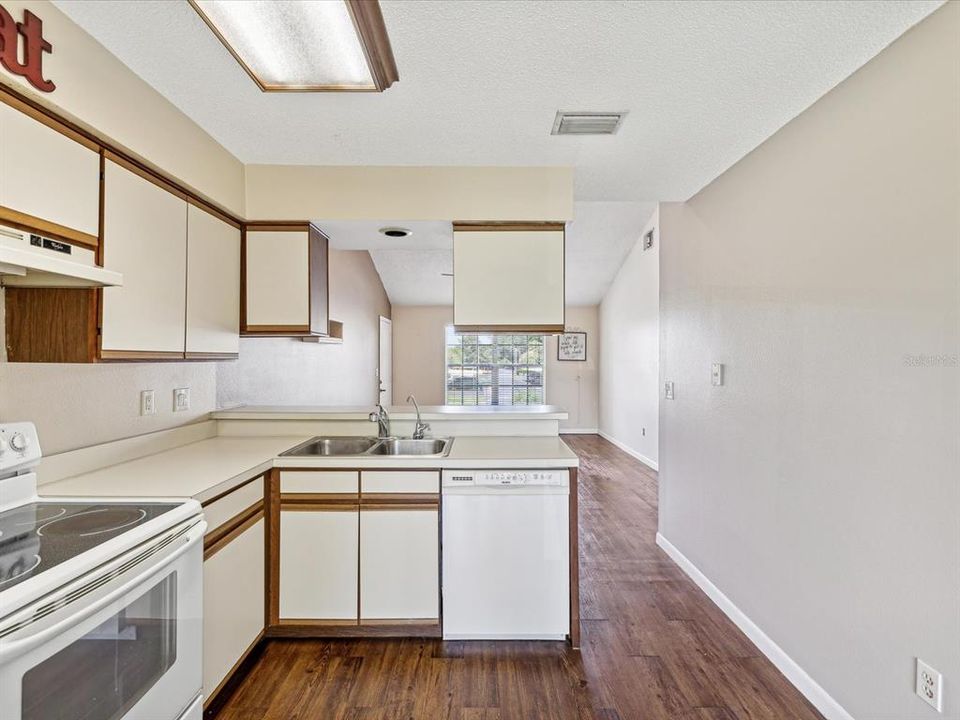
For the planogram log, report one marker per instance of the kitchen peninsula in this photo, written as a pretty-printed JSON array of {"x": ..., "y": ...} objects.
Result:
[{"x": 353, "y": 544}]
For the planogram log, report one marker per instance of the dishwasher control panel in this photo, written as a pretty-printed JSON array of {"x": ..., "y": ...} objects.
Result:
[{"x": 487, "y": 478}]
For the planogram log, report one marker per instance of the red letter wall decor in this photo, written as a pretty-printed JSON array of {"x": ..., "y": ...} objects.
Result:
[{"x": 34, "y": 46}]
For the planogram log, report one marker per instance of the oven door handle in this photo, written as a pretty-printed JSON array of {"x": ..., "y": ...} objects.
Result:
[{"x": 10, "y": 648}]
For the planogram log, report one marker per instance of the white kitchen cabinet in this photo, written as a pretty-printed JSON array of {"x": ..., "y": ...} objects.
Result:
[
  {"x": 233, "y": 603},
  {"x": 49, "y": 181},
  {"x": 286, "y": 290},
  {"x": 399, "y": 564},
  {"x": 399, "y": 481},
  {"x": 144, "y": 237},
  {"x": 213, "y": 285},
  {"x": 318, "y": 564},
  {"x": 508, "y": 279}
]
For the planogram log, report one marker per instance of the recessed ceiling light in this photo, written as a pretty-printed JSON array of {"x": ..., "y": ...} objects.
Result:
[
  {"x": 587, "y": 123},
  {"x": 305, "y": 45},
  {"x": 395, "y": 232}
]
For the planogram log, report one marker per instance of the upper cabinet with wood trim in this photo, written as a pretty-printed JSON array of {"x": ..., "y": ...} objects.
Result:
[
  {"x": 213, "y": 286},
  {"x": 286, "y": 282},
  {"x": 145, "y": 238},
  {"x": 49, "y": 177},
  {"x": 509, "y": 277}
]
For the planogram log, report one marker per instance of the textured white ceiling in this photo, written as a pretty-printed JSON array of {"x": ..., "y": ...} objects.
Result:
[{"x": 480, "y": 82}]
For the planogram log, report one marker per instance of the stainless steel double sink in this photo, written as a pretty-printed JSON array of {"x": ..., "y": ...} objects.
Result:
[{"x": 358, "y": 446}]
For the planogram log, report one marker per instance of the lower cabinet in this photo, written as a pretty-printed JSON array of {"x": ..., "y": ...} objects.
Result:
[
  {"x": 233, "y": 604},
  {"x": 318, "y": 564},
  {"x": 356, "y": 553},
  {"x": 399, "y": 571}
]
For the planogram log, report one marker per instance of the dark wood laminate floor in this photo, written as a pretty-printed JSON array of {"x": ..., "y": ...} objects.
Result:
[{"x": 654, "y": 646}]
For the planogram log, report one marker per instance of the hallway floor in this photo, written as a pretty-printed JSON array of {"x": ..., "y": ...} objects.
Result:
[{"x": 654, "y": 646}]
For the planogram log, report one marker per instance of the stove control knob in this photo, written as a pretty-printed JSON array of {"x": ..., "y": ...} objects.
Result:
[
  {"x": 19, "y": 442},
  {"x": 4, "y": 445}
]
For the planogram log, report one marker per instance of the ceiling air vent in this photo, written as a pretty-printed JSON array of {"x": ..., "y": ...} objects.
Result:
[{"x": 587, "y": 123}]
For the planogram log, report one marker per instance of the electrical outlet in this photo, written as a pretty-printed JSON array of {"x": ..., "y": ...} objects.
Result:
[
  {"x": 148, "y": 405},
  {"x": 929, "y": 685},
  {"x": 668, "y": 390},
  {"x": 181, "y": 399}
]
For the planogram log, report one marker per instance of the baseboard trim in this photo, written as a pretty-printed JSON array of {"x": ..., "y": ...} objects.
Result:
[
  {"x": 652, "y": 464},
  {"x": 579, "y": 431},
  {"x": 807, "y": 686}
]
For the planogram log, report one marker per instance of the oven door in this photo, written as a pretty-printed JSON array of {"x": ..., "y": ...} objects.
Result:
[{"x": 122, "y": 642}]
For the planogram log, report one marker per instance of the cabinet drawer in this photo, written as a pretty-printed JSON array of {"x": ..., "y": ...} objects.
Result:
[
  {"x": 229, "y": 506},
  {"x": 397, "y": 481},
  {"x": 233, "y": 599},
  {"x": 316, "y": 481}
]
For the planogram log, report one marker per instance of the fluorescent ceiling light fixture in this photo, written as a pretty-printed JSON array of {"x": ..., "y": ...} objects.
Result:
[{"x": 305, "y": 45}]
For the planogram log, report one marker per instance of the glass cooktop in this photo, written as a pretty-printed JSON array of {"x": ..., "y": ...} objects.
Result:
[{"x": 38, "y": 536}]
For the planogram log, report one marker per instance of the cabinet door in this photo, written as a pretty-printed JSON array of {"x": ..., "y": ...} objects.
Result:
[
  {"x": 509, "y": 279},
  {"x": 213, "y": 285},
  {"x": 233, "y": 602},
  {"x": 399, "y": 564},
  {"x": 278, "y": 280},
  {"x": 48, "y": 176},
  {"x": 318, "y": 564},
  {"x": 145, "y": 238}
]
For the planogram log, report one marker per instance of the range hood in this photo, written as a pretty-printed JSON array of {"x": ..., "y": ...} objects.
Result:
[{"x": 31, "y": 260}]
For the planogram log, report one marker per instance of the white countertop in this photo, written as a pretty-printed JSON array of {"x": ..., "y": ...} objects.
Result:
[
  {"x": 397, "y": 412},
  {"x": 200, "y": 470},
  {"x": 208, "y": 468}
]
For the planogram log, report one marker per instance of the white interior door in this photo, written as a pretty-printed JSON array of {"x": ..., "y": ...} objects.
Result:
[{"x": 385, "y": 365}]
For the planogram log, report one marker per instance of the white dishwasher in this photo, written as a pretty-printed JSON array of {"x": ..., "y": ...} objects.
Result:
[{"x": 506, "y": 554}]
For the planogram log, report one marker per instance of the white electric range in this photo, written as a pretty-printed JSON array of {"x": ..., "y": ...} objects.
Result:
[{"x": 101, "y": 605}]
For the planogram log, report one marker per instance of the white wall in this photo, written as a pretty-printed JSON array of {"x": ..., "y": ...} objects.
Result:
[
  {"x": 419, "y": 362},
  {"x": 285, "y": 371},
  {"x": 629, "y": 352},
  {"x": 819, "y": 488}
]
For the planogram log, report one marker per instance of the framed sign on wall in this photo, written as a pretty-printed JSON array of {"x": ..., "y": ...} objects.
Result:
[{"x": 572, "y": 346}]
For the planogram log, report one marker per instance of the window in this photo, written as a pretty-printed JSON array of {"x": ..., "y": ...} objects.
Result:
[{"x": 494, "y": 369}]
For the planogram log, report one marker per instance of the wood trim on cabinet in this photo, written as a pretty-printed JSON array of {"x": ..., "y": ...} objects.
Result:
[
  {"x": 277, "y": 329},
  {"x": 134, "y": 355},
  {"x": 218, "y": 539},
  {"x": 400, "y": 501},
  {"x": 574, "y": 551},
  {"x": 94, "y": 141},
  {"x": 271, "y": 494},
  {"x": 213, "y": 703},
  {"x": 508, "y": 225},
  {"x": 278, "y": 225},
  {"x": 545, "y": 329},
  {"x": 344, "y": 629},
  {"x": 31, "y": 223},
  {"x": 211, "y": 356}
]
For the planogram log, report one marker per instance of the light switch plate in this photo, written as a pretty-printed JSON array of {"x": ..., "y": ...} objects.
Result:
[
  {"x": 668, "y": 390},
  {"x": 148, "y": 404},
  {"x": 716, "y": 374},
  {"x": 181, "y": 399}
]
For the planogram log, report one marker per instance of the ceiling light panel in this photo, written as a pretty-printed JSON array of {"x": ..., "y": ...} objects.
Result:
[{"x": 304, "y": 45}]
